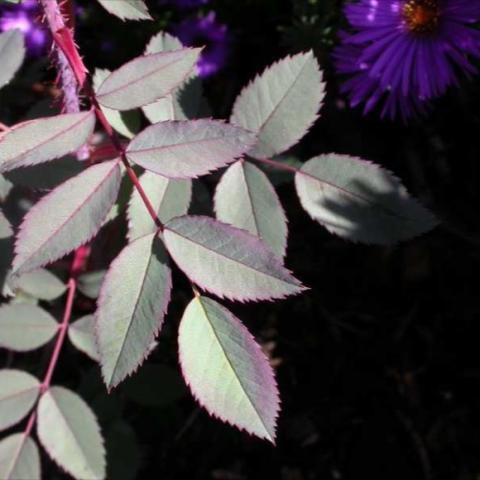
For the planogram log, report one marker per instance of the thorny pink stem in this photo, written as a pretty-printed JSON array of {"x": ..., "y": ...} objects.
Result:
[
  {"x": 72, "y": 105},
  {"x": 77, "y": 266},
  {"x": 55, "y": 21},
  {"x": 71, "y": 102},
  {"x": 121, "y": 152},
  {"x": 63, "y": 38},
  {"x": 58, "y": 29}
]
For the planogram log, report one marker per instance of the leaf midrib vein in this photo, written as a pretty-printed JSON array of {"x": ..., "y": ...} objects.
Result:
[
  {"x": 73, "y": 213},
  {"x": 19, "y": 393},
  {"x": 181, "y": 145},
  {"x": 232, "y": 259},
  {"x": 139, "y": 79},
  {"x": 75, "y": 439},
  {"x": 230, "y": 364},
  {"x": 14, "y": 160},
  {"x": 377, "y": 205},
  {"x": 283, "y": 97},
  {"x": 134, "y": 310}
]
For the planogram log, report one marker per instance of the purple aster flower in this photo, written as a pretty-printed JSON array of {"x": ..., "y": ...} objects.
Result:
[
  {"x": 403, "y": 53},
  {"x": 206, "y": 31},
  {"x": 23, "y": 18}
]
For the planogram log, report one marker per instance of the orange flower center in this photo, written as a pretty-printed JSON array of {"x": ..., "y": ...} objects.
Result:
[{"x": 421, "y": 16}]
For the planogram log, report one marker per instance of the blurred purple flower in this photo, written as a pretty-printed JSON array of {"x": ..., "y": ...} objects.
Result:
[
  {"x": 403, "y": 53},
  {"x": 185, "y": 3},
  {"x": 206, "y": 31},
  {"x": 23, "y": 17}
]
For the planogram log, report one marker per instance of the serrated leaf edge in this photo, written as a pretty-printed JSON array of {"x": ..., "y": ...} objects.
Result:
[
  {"x": 154, "y": 72},
  {"x": 434, "y": 222},
  {"x": 267, "y": 360},
  {"x": 254, "y": 214},
  {"x": 111, "y": 385},
  {"x": 241, "y": 298},
  {"x": 49, "y": 452},
  {"x": 26, "y": 222},
  {"x": 258, "y": 78},
  {"x": 190, "y": 122},
  {"x": 13, "y": 164}
]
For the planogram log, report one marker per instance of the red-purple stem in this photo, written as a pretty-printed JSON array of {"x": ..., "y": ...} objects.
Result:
[
  {"x": 121, "y": 153},
  {"x": 78, "y": 263},
  {"x": 63, "y": 39},
  {"x": 72, "y": 105},
  {"x": 72, "y": 288},
  {"x": 274, "y": 164}
]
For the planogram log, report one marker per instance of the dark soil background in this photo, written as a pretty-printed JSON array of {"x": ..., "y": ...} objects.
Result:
[{"x": 378, "y": 364}]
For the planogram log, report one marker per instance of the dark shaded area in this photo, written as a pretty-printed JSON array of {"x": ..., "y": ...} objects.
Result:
[{"x": 378, "y": 364}]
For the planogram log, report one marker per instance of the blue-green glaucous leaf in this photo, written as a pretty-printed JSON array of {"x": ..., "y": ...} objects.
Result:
[{"x": 360, "y": 201}]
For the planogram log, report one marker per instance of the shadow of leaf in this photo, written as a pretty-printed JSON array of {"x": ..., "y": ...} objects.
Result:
[{"x": 369, "y": 206}]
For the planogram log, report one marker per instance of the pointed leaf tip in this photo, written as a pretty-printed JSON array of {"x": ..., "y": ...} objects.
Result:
[
  {"x": 132, "y": 304},
  {"x": 360, "y": 201},
  {"x": 186, "y": 101},
  {"x": 226, "y": 369},
  {"x": 145, "y": 79},
  {"x": 281, "y": 104},
  {"x": 127, "y": 9},
  {"x": 227, "y": 261},
  {"x": 37, "y": 141},
  {"x": 188, "y": 149},
  {"x": 246, "y": 199},
  {"x": 75, "y": 211}
]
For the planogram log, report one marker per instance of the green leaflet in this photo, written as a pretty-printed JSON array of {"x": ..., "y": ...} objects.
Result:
[
  {"x": 360, "y": 201},
  {"x": 132, "y": 304},
  {"x": 127, "y": 9},
  {"x": 281, "y": 104},
  {"x": 246, "y": 199},
  {"x": 19, "y": 458},
  {"x": 25, "y": 327},
  {"x": 6, "y": 248},
  {"x": 82, "y": 335},
  {"x": 145, "y": 79},
  {"x": 37, "y": 141},
  {"x": 12, "y": 53},
  {"x": 69, "y": 432},
  {"x": 18, "y": 392},
  {"x": 170, "y": 198},
  {"x": 125, "y": 123},
  {"x": 187, "y": 101},
  {"x": 89, "y": 283},
  {"x": 75, "y": 211},
  {"x": 226, "y": 369},
  {"x": 41, "y": 284},
  {"x": 188, "y": 149},
  {"x": 227, "y": 261}
]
